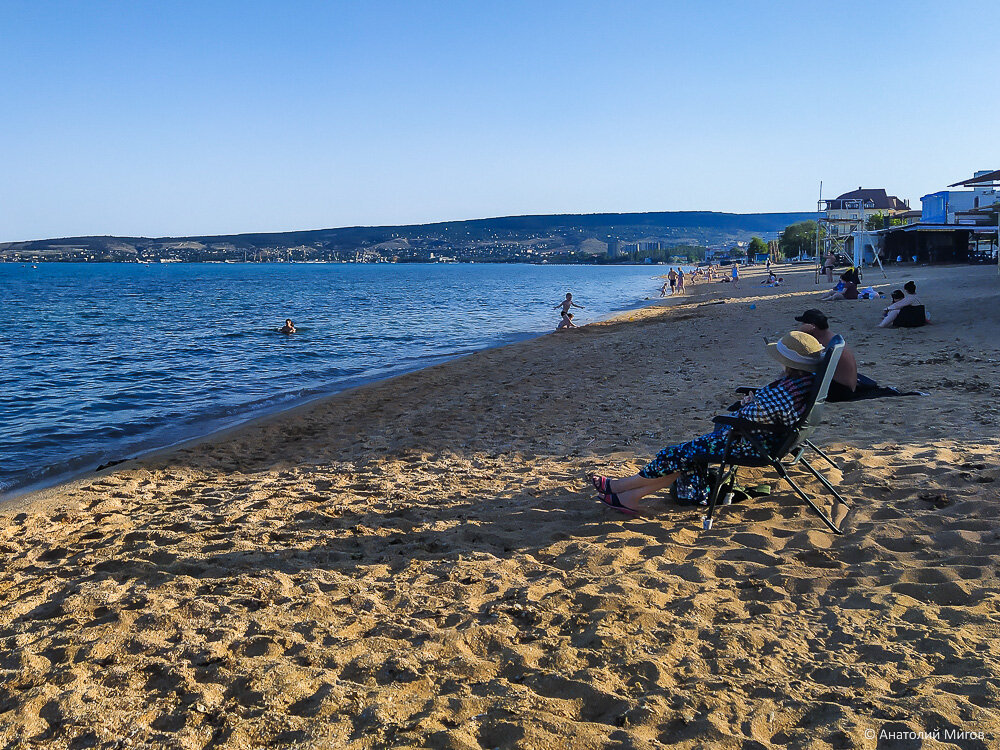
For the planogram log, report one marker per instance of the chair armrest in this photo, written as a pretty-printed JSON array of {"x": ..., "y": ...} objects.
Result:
[
  {"x": 747, "y": 425},
  {"x": 746, "y": 389}
]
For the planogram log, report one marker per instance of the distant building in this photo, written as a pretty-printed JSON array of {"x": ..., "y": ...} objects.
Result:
[
  {"x": 844, "y": 221},
  {"x": 954, "y": 225},
  {"x": 847, "y": 210},
  {"x": 959, "y": 206}
]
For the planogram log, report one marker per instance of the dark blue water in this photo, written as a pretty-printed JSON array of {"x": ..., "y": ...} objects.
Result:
[{"x": 101, "y": 361}]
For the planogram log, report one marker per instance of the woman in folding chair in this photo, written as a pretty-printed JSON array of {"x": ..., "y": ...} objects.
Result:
[{"x": 781, "y": 403}]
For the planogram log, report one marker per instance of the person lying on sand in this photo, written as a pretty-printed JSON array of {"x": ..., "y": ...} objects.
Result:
[
  {"x": 567, "y": 303},
  {"x": 566, "y": 322},
  {"x": 289, "y": 326},
  {"x": 781, "y": 403}
]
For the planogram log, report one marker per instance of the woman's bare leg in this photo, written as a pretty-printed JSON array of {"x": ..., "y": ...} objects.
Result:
[
  {"x": 631, "y": 489},
  {"x": 635, "y": 481}
]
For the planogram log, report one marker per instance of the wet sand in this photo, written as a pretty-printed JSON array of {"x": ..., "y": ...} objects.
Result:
[{"x": 420, "y": 562}]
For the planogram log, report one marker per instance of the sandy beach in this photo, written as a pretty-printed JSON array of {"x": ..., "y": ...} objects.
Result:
[{"x": 421, "y": 562}]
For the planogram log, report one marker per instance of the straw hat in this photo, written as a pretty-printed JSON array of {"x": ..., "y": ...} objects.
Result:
[{"x": 797, "y": 350}]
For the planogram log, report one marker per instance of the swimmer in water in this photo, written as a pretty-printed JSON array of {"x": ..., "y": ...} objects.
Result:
[{"x": 289, "y": 326}]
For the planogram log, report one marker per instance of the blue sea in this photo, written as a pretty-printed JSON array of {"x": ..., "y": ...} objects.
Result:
[{"x": 103, "y": 361}]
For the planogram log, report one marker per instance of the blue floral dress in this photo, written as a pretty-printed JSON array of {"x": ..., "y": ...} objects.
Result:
[{"x": 782, "y": 402}]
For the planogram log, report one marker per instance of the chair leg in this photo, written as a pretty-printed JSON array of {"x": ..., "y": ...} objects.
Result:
[
  {"x": 717, "y": 479},
  {"x": 828, "y": 459},
  {"x": 801, "y": 493},
  {"x": 825, "y": 482}
]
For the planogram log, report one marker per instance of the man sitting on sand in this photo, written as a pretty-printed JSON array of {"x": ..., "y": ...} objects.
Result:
[
  {"x": 848, "y": 384},
  {"x": 845, "y": 377},
  {"x": 289, "y": 326}
]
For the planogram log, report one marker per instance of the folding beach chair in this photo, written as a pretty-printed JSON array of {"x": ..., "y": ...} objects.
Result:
[{"x": 794, "y": 442}]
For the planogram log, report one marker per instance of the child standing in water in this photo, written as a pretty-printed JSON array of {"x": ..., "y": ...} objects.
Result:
[{"x": 567, "y": 303}]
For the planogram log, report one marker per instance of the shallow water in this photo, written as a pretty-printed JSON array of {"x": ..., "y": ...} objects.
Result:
[{"x": 100, "y": 361}]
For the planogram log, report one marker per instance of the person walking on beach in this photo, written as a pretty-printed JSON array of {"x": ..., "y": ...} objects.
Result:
[
  {"x": 663, "y": 289},
  {"x": 673, "y": 280},
  {"x": 567, "y": 303},
  {"x": 680, "y": 281},
  {"x": 781, "y": 404},
  {"x": 829, "y": 265},
  {"x": 736, "y": 275}
]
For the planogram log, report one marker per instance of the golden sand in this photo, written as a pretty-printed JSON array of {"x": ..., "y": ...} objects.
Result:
[{"x": 421, "y": 563}]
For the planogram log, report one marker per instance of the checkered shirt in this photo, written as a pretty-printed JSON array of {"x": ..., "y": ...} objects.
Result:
[{"x": 782, "y": 402}]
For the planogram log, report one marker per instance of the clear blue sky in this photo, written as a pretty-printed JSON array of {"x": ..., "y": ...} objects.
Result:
[{"x": 176, "y": 118}]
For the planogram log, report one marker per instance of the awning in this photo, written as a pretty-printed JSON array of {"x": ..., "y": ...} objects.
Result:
[
  {"x": 984, "y": 179},
  {"x": 975, "y": 228}
]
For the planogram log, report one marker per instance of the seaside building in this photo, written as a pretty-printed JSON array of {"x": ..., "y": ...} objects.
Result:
[
  {"x": 845, "y": 221},
  {"x": 954, "y": 225}
]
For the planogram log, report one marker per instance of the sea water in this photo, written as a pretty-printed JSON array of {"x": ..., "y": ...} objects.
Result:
[{"x": 101, "y": 361}]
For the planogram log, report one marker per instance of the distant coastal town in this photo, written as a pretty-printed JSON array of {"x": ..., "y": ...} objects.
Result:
[
  {"x": 868, "y": 226},
  {"x": 590, "y": 238}
]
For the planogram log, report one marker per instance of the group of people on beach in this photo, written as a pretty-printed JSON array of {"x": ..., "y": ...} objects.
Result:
[
  {"x": 847, "y": 288},
  {"x": 675, "y": 280},
  {"x": 780, "y": 404},
  {"x": 901, "y": 298},
  {"x": 567, "y": 316}
]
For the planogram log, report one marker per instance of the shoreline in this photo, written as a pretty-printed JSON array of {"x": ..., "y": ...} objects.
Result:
[
  {"x": 23, "y": 495},
  {"x": 422, "y": 563},
  {"x": 26, "y": 491}
]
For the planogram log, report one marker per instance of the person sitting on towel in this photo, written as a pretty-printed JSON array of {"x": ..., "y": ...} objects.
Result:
[
  {"x": 845, "y": 377},
  {"x": 815, "y": 323}
]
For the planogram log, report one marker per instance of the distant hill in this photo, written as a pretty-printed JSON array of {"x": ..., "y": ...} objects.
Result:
[{"x": 588, "y": 233}]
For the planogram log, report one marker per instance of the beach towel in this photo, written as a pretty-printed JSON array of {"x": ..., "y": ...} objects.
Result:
[{"x": 865, "y": 389}]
